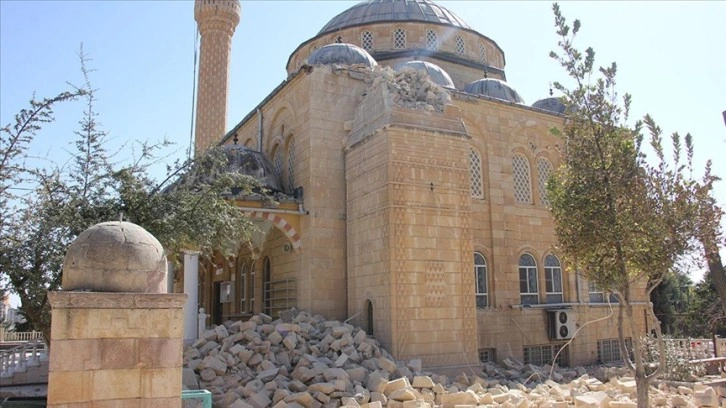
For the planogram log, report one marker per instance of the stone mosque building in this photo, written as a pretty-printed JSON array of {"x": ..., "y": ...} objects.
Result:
[{"x": 410, "y": 186}]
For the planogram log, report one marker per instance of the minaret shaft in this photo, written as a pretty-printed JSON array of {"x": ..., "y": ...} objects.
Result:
[{"x": 216, "y": 21}]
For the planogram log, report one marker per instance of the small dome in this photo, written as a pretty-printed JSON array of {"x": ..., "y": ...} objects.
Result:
[
  {"x": 494, "y": 88},
  {"x": 435, "y": 72},
  {"x": 115, "y": 257},
  {"x": 344, "y": 54},
  {"x": 380, "y": 11},
  {"x": 551, "y": 104},
  {"x": 251, "y": 163}
]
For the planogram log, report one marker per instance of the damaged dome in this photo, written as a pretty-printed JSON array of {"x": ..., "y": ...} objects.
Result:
[
  {"x": 551, "y": 104},
  {"x": 343, "y": 54},
  {"x": 494, "y": 88},
  {"x": 435, "y": 72},
  {"x": 251, "y": 163}
]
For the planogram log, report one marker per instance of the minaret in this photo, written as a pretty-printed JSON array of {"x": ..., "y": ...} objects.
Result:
[{"x": 216, "y": 21}]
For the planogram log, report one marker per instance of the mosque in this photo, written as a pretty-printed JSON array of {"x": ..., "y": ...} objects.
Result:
[{"x": 409, "y": 183}]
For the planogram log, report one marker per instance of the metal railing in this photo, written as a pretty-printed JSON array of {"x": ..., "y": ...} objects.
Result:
[
  {"x": 279, "y": 295},
  {"x": 22, "y": 356}
]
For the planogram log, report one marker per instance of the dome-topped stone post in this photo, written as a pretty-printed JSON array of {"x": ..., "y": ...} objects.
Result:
[
  {"x": 216, "y": 22},
  {"x": 116, "y": 335}
]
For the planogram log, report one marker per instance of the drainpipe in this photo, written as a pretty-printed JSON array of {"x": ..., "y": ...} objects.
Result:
[{"x": 259, "y": 130}]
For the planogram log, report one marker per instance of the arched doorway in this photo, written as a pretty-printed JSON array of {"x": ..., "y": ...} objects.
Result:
[{"x": 369, "y": 317}]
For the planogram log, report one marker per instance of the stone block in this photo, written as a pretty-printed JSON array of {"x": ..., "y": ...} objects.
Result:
[
  {"x": 422, "y": 382},
  {"x": 706, "y": 397},
  {"x": 625, "y": 403},
  {"x": 387, "y": 364},
  {"x": 259, "y": 400},
  {"x": 596, "y": 399},
  {"x": 394, "y": 385},
  {"x": 375, "y": 404},
  {"x": 459, "y": 398},
  {"x": 326, "y": 388}
]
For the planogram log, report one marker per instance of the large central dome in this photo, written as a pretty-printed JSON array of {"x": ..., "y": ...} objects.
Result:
[{"x": 377, "y": 11}]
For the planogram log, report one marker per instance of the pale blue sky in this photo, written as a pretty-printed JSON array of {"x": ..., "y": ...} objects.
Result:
[{"x": 670, "y": 56}]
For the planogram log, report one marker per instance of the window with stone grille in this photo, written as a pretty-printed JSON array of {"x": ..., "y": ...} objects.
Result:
[
  {"x": 277, "y": 162},
  {"x": 432, "y": 40},
  {"x": 544, "y": 169},
  {"x": 545, "y": 353},
  {"x": 291, "y": 166},
  {"x": 399, "y": 38},
  {"x": 522, "y": 184},
  {"x": 366, "y": 40},
  {"x": 608, "y": 350},
  {"x": 475, "y": 172},
  {"x": 482, "y": 53},
  {"x": 252, "y": 287},
  {"x": 528, "y": 280},
  {"x": 482, "y": 286},
  {"x": 339, "y": 39},
  {"x": 460, "y": 47},
  {"x": 487, "y": 355},
  {"x": 553, "y": 279},
  {"x": 243, "y": 307}
]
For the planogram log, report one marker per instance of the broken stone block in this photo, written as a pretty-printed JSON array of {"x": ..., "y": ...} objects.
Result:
[
  {"x": 706, "y": 397},
  {"x": 685, "y": 390},
  {"x": 260, "y": 400},
  {"x": 402, "y": 394},
  {"x": 302, "y": 398},
  {"x": 387, "y": 365},
  {"x": 596, "y": 399},
  {"x": 326, "y": 388},
  {"x": 459, "y": 398},
  {"x": 422, "y": 382},
  {"x": 394, "y": 385},
  {"x": 625, "y": 403},
  {"x": 679, "y": 401},
  {"x": 290, "y": 341},
  {"x": 374, "y": 404}
]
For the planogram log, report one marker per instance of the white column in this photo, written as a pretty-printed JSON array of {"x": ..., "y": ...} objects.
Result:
[
  {"x": 169, "y": 276},
  {"x": 191, "y": 288}
]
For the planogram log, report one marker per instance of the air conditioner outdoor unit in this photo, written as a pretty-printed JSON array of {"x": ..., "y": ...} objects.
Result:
[{"x": 561, "y": 324}]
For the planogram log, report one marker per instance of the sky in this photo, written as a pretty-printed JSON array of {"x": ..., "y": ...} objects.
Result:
[{"x": 142, "y": 53}]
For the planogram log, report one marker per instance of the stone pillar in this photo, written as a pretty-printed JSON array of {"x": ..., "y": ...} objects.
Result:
[
  {"x": 191, "y": 288},
  {"x": 116, "y": 336}
]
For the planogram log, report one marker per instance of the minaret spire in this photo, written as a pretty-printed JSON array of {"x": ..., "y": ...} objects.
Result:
[{"x": 216, "y": 22}]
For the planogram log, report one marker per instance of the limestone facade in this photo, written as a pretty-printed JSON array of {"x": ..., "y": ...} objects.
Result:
[{"x": 424, "y": 223}]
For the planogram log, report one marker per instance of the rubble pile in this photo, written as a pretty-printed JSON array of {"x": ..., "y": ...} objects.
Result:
[
  {"x": 413, "y": 89},
  {"x": 306, "y": 361}
]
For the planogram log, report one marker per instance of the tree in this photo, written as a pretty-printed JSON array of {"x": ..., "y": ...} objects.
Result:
[
  {"x": 190, "y": 209},
  {"x": 671, "y": 300},
  {"x": 619, "y": 220}
]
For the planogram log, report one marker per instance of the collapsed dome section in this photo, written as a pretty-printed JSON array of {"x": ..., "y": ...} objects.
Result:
[
  {"x": 494, "y": 88},
  {"x": 248, "y": 162},
  {"x": 435, "y": 72},
  {"x": 551, "y": 104},
  {"x": 342, "y": 54}
]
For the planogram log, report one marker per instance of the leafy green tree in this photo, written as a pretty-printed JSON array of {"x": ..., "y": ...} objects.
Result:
[
  {"x": 620, "y": 220},
  {"x": 191, "y": 209},
  {"x": 671, "y": 301}
]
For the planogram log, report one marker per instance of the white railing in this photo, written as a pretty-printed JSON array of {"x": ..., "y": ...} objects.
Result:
[
  {"x": 696, "y": 349},
  {"x": 20, "y": 336},
  {"x": 22, "y": 356}
]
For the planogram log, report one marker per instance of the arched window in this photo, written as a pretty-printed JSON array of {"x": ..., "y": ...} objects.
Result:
[
  {"x": 277, "y": 162},
  {"x": 460, "y": 47},
  {"x": 399, "y": 38},
  {"x": 480, "y": 275},
  {"x": 544, "y": 169},
  {"x": 291, "y": 165},
  {"x": 475, "y": 173},
  {"x": 432, "y": 40},
  {"x": 482, "y": 53},
  {"x": 553, "y": 279},
  {"x": 522, "y": 184},
  {"x": 528, "y": 280},
  {"x": 339, "y": 39},
  {"x": 366, "y": 40}
]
